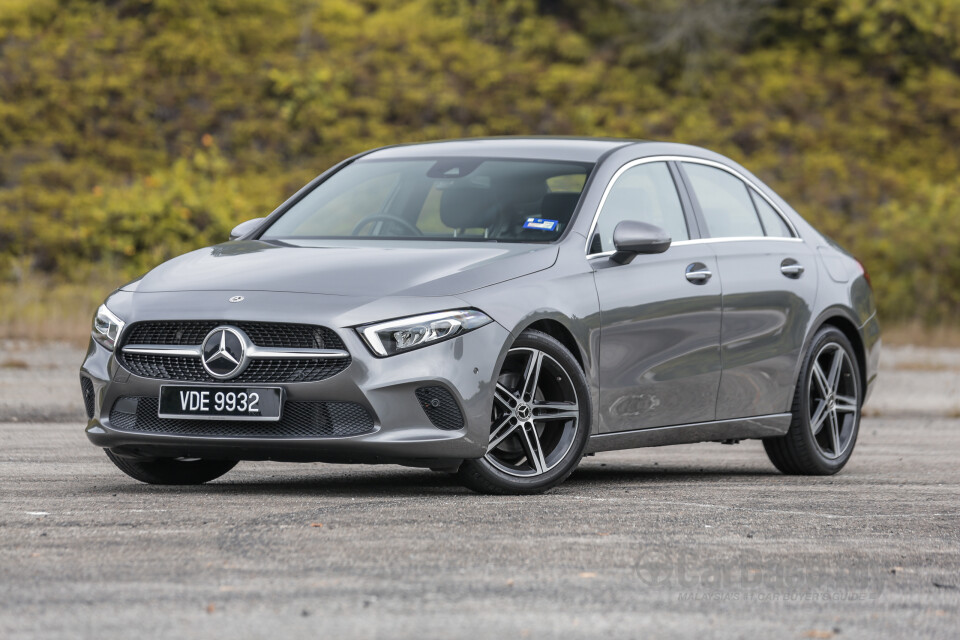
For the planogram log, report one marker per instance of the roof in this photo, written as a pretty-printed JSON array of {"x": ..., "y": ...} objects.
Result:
[{"x": 533, "y": 148}]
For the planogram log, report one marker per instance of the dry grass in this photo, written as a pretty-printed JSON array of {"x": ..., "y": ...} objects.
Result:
[
  {"x": 918, "y": 334},
  {"x": 42, "y": 310},
  {"x": 924, "y": 366}
]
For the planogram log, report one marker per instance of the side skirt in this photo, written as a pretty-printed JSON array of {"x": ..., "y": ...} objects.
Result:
[{"x": 735, "y": 429}]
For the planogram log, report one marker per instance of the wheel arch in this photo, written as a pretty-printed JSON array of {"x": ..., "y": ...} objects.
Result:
[
  {"x": 557, "y": 330},
  {"x": 836, "y": 317},
  {"x": 576, "y": 336}
]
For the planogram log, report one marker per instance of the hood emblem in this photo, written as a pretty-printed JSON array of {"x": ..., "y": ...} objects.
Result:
[
  {"x": 236, "y": 299},
  {"x": 225, "y": 352}
]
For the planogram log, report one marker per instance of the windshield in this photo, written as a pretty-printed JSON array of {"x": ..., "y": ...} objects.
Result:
[{"x": 469, "y": 199}]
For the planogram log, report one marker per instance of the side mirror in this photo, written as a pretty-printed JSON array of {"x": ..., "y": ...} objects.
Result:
[
  {"x": 632, "y": 237},
  {"x": 244, "y": 228}
]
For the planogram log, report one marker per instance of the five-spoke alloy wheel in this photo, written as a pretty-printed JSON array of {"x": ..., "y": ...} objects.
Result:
[
  {"x": 539, "y": 423},
  {"x": 826, "y": 410},
  {"x": 834, "y": 404}
]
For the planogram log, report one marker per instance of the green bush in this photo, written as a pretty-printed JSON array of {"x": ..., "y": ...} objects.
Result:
[{"x": 134, "y": 130}]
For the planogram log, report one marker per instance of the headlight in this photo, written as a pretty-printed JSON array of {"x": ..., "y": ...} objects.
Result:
[
  {"x": 394, "y": 336},
  {"x": 106, "y": 327}
]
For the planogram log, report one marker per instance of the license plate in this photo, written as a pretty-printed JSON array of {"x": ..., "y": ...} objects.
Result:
[{"x": 218, "y": 403}]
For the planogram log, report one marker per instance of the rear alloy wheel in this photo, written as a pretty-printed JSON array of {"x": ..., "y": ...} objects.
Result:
[
  {"x": 175, "y": 471},
  {"x": 826, "y": 410},
  {"x": 539, "y": 422}
]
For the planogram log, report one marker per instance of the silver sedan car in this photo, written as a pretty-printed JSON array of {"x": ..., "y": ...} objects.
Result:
[{"x": 493, "y": 308}]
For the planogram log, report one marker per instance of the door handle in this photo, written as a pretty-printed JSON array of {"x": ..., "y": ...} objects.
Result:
[
  {"x": 791, "y": 268},
  {"x": 697, "y": 273}
]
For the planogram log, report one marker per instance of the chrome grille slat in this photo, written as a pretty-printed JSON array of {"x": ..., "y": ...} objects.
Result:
[
  {"x": 254, "y": 352},
  {"x": 164, "y": 350}
]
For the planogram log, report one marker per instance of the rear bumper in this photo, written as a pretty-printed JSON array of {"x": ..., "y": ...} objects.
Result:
[
  {"x": 385, "y": 387},
  {"x": 872, "y": 344}
]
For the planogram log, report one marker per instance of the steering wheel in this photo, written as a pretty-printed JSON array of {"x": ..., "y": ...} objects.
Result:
[{"x": 381, "y": 216}]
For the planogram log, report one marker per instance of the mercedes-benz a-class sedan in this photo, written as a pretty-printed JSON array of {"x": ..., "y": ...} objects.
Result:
[{"x": 494, "y": 308}]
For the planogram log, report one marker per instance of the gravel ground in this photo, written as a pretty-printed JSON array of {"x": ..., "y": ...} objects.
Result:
[
  {"x": 40, "y": 382},
  {"x": 704, "y": 540},
  {"x": 917, "y": 381}
]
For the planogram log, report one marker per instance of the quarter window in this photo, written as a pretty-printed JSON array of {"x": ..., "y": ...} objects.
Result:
[
  {"x": 773, "y": 224},
  {"x": 725, "y": 202},
  {"x": 646, "y": 193}
]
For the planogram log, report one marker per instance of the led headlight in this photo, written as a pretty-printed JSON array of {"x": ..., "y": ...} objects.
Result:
[
  {"x": 394, "y": 336},
  {"x": 106, "y": 327}
]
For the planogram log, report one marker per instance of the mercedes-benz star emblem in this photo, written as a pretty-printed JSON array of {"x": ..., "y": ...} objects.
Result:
[
  {"x": 236, "y": 299},
  {"x": 225, "y": 352},
  {"x": 523, "y": 412}
]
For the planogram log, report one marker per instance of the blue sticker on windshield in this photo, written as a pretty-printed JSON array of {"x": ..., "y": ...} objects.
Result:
[{"x": 541, "y": 223}]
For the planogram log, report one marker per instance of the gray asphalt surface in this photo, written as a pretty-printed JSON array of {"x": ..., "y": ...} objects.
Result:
[
  {"x": 704, "y": 540},
  {"x": 666, "y": 542}
]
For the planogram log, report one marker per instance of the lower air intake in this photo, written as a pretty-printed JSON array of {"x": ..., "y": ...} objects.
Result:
[
  {"x": 86, "y": 387},
  {"x": 299, "y": 420},
  {"x": 440, "y": 407}
]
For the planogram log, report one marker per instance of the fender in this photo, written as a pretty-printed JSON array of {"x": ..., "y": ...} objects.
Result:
[{"x": 832, "y": 311}]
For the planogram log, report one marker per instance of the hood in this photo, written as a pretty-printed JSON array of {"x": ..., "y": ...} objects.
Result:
[{"x": 377, "y": 268}]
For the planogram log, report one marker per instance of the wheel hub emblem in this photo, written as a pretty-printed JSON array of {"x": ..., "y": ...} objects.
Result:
[
  {"x": 225, "y": 352},
  {"x": 523, "y": 412}
]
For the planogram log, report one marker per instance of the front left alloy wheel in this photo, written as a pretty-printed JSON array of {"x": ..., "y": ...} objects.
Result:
[{"x": 540, "y": 420}]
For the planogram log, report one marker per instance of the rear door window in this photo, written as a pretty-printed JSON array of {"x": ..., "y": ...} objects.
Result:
[{"x": 725, "y": 202}]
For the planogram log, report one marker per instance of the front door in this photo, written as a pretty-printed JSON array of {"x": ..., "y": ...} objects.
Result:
[{"x": 659, "y": 353}]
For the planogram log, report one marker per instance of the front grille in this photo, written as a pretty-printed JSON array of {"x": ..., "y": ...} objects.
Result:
[
  {"x": 440, "y": 407},
  {"x": 86, "y": 388},
  {"x": 298, "y": 420},
  {"x": 262, "y": 334},
  {"x": 259, "y": 371}
]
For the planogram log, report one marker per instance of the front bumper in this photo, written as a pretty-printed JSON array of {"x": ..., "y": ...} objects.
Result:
[{"x": 402, "y": 433}]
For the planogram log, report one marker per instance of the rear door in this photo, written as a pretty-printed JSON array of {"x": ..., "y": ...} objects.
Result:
[
  {"x": 659, "y": 354},
  {"x": 769, "y": 284}
]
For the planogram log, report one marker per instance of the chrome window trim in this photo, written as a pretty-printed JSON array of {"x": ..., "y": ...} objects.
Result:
[
  {"x": 680, "y": 243},
  {"x": 710, "y": 163}
]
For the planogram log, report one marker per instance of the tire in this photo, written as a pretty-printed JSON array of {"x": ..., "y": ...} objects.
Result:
[
  {"x": 537, "y": 437},
  {"x": 821, "y": 403},
  {"x": 170, "y": 470}
]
